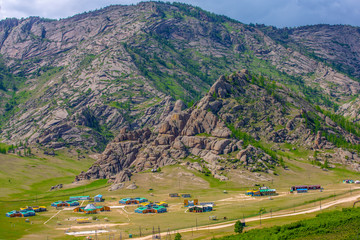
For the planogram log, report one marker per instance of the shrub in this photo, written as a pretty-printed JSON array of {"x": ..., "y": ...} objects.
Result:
[
  {"x": 178, "y": 236},
  {"x": 238, "y": 227}
]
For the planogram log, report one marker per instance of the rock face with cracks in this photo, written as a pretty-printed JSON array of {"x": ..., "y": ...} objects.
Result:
[
  {"x": 87, "y": 76},
  {"x": 204, "y": 137},
  {"x": 192, "y": 132}
]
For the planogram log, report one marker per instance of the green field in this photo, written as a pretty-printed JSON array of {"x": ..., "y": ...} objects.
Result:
[
  {"x": 342, "y": 224},
  {"x": 27, "y": 181}
]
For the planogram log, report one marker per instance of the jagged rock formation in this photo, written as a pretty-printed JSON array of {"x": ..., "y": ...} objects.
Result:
[
  {"x": 195, "y": 131},
  {"x": 351, "y": 110},
  {"x": 83, "y": 78},
  {"x": 203, "y": 133},
  {"x": 56, "y": 187}
]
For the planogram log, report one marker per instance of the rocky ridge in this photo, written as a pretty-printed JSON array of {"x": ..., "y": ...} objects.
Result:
[
  {"x": 88, "y": 76},
  {"x": 203, "y": 137},
  {"x": 196, "y": 133}
]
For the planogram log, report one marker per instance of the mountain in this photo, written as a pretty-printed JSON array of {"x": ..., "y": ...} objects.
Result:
[
  {"x": 76, "y": 82},
  {"x": 336, "y": 45},
  {"x": 228, "y": 131}
]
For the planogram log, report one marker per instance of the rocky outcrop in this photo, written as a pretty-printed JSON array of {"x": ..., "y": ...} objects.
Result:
[
  {"x": 255, "y": 159},
  {"x": 197, "y": 131},
  {"x": 132, "y": 186},
  {"x": 86, "y": 77},
  {"x": 338, "y": 44},
  {"x": 202, "y": 132},
  {"x": 116, "y": 186},
  {"x": 56, "y": 187}
]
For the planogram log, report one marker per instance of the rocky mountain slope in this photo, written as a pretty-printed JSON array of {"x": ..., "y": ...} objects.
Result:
[
  {"x": 225, "y": 133},
  {"x": 337, "y": 45},
  {"x": 78, "y": 81}
]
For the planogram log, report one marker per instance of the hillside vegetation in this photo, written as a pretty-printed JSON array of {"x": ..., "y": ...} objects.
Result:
[
  {"x": 331, "y": 225},
  {"x": 79, "y": 80}
]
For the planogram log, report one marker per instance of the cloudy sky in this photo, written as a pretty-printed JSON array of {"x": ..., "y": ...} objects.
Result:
[{"x": 278, "y": 13}]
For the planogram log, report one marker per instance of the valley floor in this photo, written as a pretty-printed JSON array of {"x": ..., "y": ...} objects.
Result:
[{"x": 122, "y": 221}]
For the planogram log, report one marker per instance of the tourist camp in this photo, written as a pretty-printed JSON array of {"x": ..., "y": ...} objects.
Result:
[
  {"x": 14, "y": 213},
  {"x": 130, "y": 201},
  {"x": 348, "y": 181},
  {"x": 92, "y": 209},
  {"x": 151, "y": 208},
  {"x": 26, "y": 211},
  {"x": 21, "y": 213},
  {"x": 262, "y": 191},
  {"x": 207, "y": 203},
  {"x": 310, "y": 187},
  {"x": 186, "y": 195},
  {"x": 65, "y": 204},
  {"x": 77, "y": 198},
  {"x": 98, "y": 198},
  {"x": 146, "y": 204},
  {"x": 302, "y": 190},
  {"x": 267, "y": 192},
  {"x": 39, "y": 208},
  {"x": 201, "y": 208},
  {"x": 164, "y": 204},
  {"x": 189, "y": 203},
  {"x": 174, "y": 195},
  {"x": 34, "y": 208},
  {"x": 294, "y": 188},
  {"x": 253, "y": 193}
]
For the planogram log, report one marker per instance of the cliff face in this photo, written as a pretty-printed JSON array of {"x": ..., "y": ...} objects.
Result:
[
  {"x": 237, "y": 106},
  {"x": 78, "y": 81},
  {"x": 337, "y": 45},
  {"x": 195, "y": 132}
]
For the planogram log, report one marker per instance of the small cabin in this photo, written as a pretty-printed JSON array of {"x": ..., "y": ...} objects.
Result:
[
  {"x": 98, "y": 198},
  {"x": 186, "y": 195},
  {"x": 267, "y": 192},
  {"x": 174, "y": 195},
  {"x": 77, "y": 198},
  {"x": 151, "y": 208},
  {"x": 14, "y": 213},
  {"x": 27, "y": 213},
  {"x": 302, "y": 190},
  {"x": 200, "y": 209},
  {"x": 314, "y": 187},
  {"x": 130, "y": 201},
  {"x": 83, "y": 220},
  {"x": 188, "y": 203}
]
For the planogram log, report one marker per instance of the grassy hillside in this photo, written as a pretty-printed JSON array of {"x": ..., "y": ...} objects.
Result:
[
  {"x": 31, "y": 178},
  {"x": 17, "y": 170},
  {"x": 330, "y": 225},
  {"x": 26, "y": 181}
]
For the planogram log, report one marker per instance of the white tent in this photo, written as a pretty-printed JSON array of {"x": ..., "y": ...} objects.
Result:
[{"x": 90, "y": 207}]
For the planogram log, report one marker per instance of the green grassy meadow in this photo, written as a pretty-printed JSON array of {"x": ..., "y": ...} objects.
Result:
[{"x": 27, "y": 180}]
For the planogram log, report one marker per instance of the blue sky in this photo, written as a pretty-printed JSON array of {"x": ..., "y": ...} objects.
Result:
[{"x": 280, "y": 13}]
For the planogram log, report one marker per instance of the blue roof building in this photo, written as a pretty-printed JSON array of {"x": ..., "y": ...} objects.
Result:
[{"x": 98, "y": 198}]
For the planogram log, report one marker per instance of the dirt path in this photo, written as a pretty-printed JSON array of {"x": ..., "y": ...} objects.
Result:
[
  {"x": 52, "y": 217},
  {"x": 124, "y": 213},
  {"x": 257, "y": 218},
  {"x": 93, "y": 226}
]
